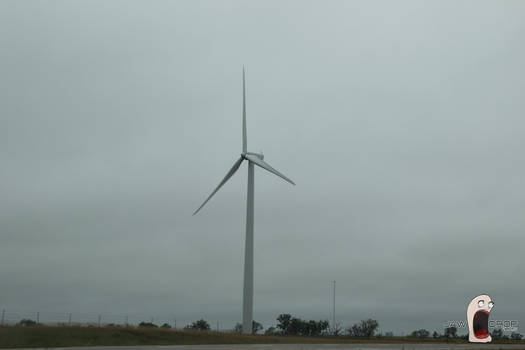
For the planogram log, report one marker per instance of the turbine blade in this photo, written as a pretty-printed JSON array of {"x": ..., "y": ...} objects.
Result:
[
  {"x": 244, "y": 141},
  {"x": 226, "y": 178},
  {"x": 258, "y": 161}
]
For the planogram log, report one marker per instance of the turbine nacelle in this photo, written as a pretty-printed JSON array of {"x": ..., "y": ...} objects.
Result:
[{"x": 258, "y": 155}]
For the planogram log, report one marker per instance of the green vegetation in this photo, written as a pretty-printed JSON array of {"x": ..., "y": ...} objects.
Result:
[
  {"x": 200, "y": 325},
  {"x": 147, "y": 325},
  {"x": 365, "y": 329},
  {"x": 289, "y": 325},
  {"x": 289, "y": 329},
  {"x": 27, "y": 322},
  {"x": 420, "y": 333},
  {"x": 60, "y": 336}
]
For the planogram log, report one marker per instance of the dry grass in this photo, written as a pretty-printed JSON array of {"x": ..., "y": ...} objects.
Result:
[{"x": 60, "y": 336}]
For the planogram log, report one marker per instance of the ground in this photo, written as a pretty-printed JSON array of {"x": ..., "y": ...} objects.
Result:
[{"x": 140, "y": 339}]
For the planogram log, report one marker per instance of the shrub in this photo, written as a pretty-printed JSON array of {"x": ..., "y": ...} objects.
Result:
[
  {"x": 27, "y": 322},
  {"x": 271, "y": 331},
  {"x": 295, "y": 326},
  {"x": 365, "y": 329},
  {"x": 147, "y": 325},
  {"x": 420, "y": 333},
  {"x": 497, "y": 333},
  {"x": 201, "y": 325},
  {"x": 451, "y": 332}
]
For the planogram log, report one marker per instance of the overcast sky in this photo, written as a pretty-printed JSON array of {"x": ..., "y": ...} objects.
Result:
[{"x": 402, "y": 124}]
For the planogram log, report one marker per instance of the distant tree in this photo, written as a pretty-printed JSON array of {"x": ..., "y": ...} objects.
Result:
[
  {"x": 315, "y": 328},
  {"x": 284, "y": 322},
  {"x": 271, "y": 331},
  {"x": 451, "y": 332},
  {"x": 27, "y": 322},
  {"x": 497, "y": 333},
  {"x": 364, "y": 329},
  {"x": 295, "y": 326},
  {"x": 516, "y": 336},
  {"x": 147, "y": 325},
  {"x": 420, "y": 333},
  {"x": 369, "y": 327},
  {"x": 436, "y": 335},
  {"x": 166, "y": 326},
  {"x": 256, "y": 327},
  {"x": 237, "y": 328},
  {"x": 336, "y": 329},
  {"x": 200, "y": 325},
  {"x": 323, "y": 327}
]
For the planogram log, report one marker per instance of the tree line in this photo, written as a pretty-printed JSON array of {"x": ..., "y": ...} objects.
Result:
[{"x": 294, "y": 326}]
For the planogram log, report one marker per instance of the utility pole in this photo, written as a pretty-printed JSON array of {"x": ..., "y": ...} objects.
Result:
[
  {"x": 3, "y": 314},
  {"x": 333, "y": 312},
  {"x": 217, "y": 326},
  {"x": 99, "y": 317},
  {"x": 126, "y": 323},
  {"x": 69, "y": 319},
  {"x": 37, "y": 317}
]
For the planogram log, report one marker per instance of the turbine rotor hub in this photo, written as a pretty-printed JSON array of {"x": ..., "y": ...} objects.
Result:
[{"x": 258, "y": 155}]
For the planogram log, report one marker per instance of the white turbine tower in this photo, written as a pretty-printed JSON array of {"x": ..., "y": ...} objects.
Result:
[{"x": 257, "y": 159}]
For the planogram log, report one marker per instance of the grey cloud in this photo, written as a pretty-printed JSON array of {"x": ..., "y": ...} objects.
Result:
[{"x": 401, "y": 124}]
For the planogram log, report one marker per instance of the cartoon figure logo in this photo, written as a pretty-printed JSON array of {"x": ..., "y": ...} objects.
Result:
[{"x": 478, "y": 311}]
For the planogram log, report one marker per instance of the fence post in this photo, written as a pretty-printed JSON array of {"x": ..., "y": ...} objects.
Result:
[{"x": 3, "y": 314}]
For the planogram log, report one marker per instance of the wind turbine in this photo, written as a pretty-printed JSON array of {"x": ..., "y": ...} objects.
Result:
[{"x": 257, "y": 159}]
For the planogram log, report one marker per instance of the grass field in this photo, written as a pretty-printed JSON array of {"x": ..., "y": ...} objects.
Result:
[{"x": 54, "y": 336}]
